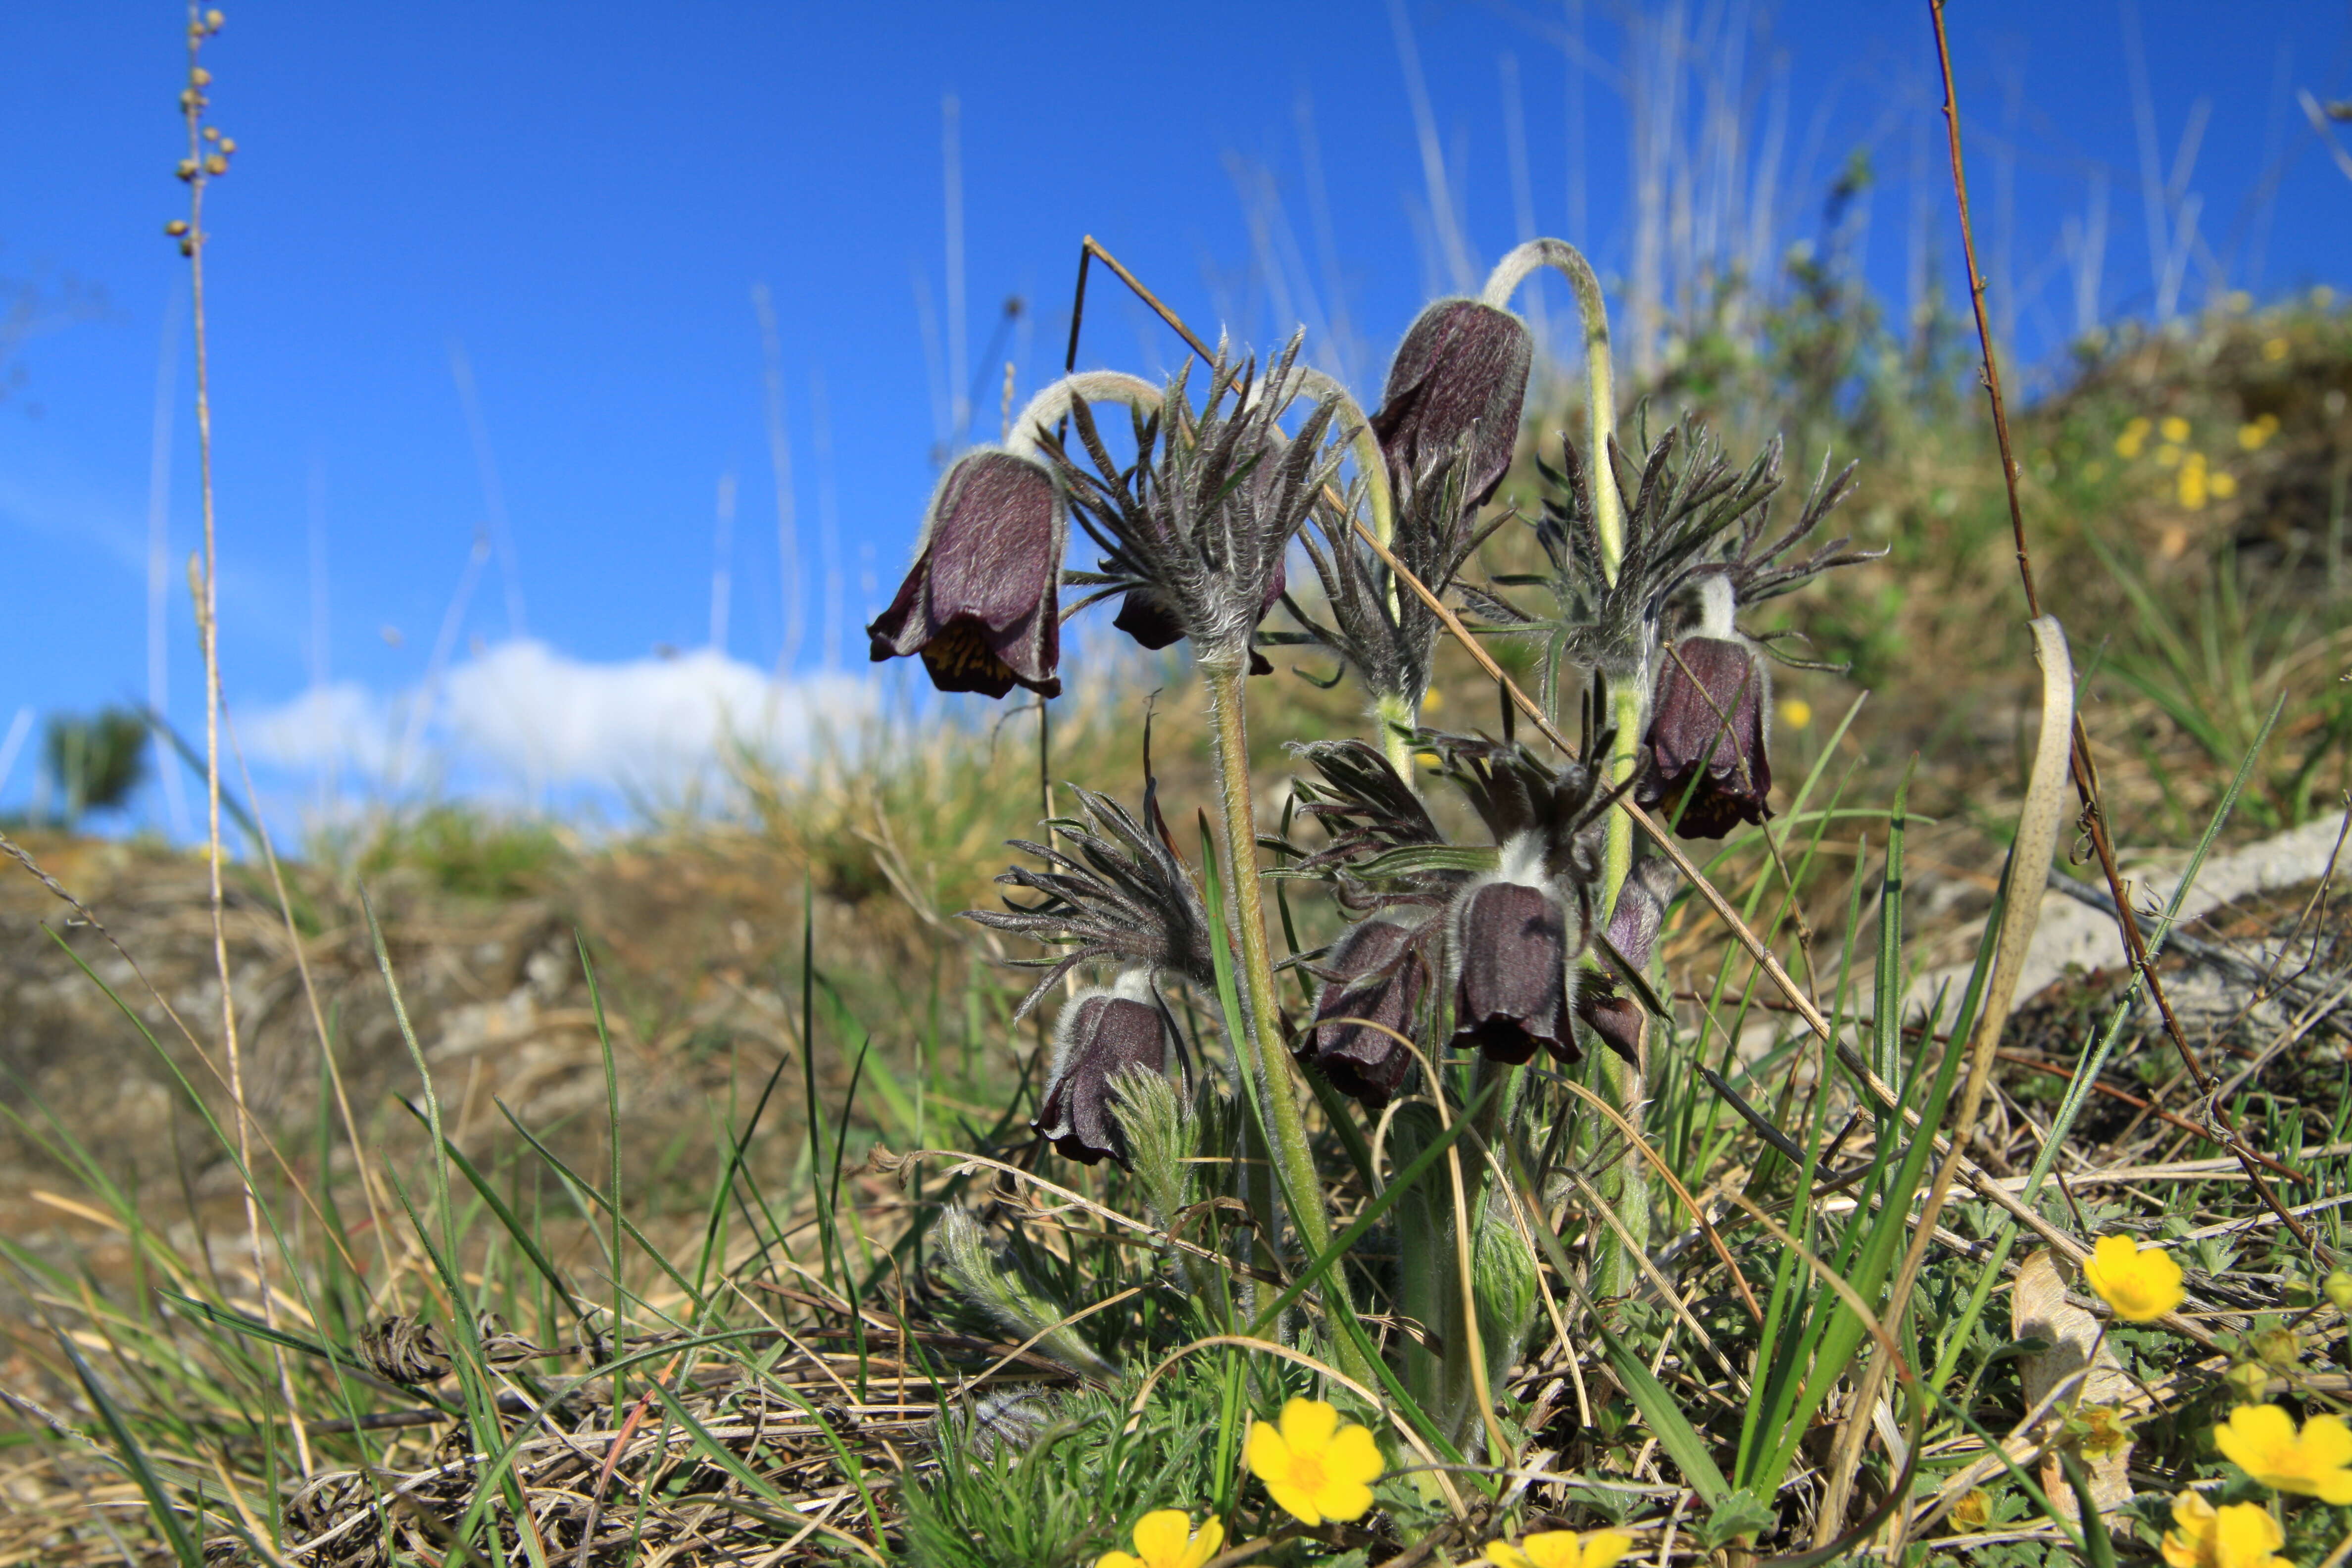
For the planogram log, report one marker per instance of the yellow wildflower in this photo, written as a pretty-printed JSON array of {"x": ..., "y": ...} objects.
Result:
[
  {"x": 2135, "y": 431},
  {"x": 1974, "y": 1510},
  {"x": 1314, "y": 1466},
  {"x": 2222, "y": 484},
  {"x": 2243, "y": 1535},
  {"x": 2195, "y": 484},
  {"x": 1433, "y": 699},
  {"x": 2173, "y": 428},
  {"x": 1796, "y": 712},
  {"x": 1166, "y": 1540},
  {"x": 2166, "y": 456},
  {"x": 1561, "y": 1549},
  {"x": 2256, "y": 432},
  {"x": 2274, "y": 350},
  {"x": 2260, "y": 1440},
  {"x": 2140, "y": 1284}
]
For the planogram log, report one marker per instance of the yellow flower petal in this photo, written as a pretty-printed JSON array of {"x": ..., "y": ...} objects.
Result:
[
  {"x": 1307, "y": 1425},
  {"x": 1121, "y": 1560},
  {"x": 1604, "y": 1548},
  {"x": 2246, "y": 1536},
  {"x": 2191, "y": 1543},
  {"x": 2140, "y": 1283},
  {"x": 1354, "y": 1456},
  {"x": 1162, "y": 1537},
  {"x": 2255, "y": 1436},
  {"x": 1205, "y": 1544},
  {"x": 1503, "y": 1554},
  {"x": 2173, "y": 427},
  {"x": 1550, "y": 1549}
]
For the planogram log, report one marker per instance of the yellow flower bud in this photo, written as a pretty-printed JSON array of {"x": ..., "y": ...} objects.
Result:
[
  {"x": 176, "y": 228},
  {"x": 215, "y": 164}
]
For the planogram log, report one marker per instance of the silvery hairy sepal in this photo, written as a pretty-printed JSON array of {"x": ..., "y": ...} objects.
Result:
[
  {"x": 1382, "y": 633},
  {"x": 1369, "y": 812},
  {"x": 1374, "y": 980},
  {"x": 1604, "y": 1002},
  {"x": 980, "y": 603},
  {"x": 1193, "y": 531},
  {"x": 1457, "y": 384},
  {"x": 1115, "y": 893}
]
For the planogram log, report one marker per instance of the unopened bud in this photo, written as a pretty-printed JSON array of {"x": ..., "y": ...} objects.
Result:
[
  {"x": 2298, "y": 1292},
  {"x": 2281, "y": 1348},
  {"x": 215, "y": 164},
  {"x": 176, "y": 228},
  {"x": 189, "y": 98},
  {"x": 228, "y": 145},
  {"x": 2247, "y": 1379},
  {"x": 187, "y": 168},
  {"x": 214, "y": 21},
  {"x": 187, "y": 248},
  {"x": 2337, "y": 1287},
  {"x": 199, "y": 76},
  {"x": 211, "y": 133}
]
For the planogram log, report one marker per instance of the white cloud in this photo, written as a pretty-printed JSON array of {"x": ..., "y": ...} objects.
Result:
[{"x": 526, "y": 714}]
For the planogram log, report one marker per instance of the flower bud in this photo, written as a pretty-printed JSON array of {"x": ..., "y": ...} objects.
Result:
[
  {"x": 980, "y": 603},
  {"x": 2279, "y": 1348},
  {"x": 1705, "y": 752},
  {"x": 214, "y": 21},
  {"x": 200, "y": 76},
  {"x": 1510, "y": 948},
  {"x": 215, "y": 164},
  {"x": 187, "y": 170},
  {"x": 1460, "y": 374},
  {"x": 2248, "y": 1379},
  {"x": 2337, "y": 1288},
  {"x": 176, "y": 228},
  {"x": 1616, "y": 1019},
  {"x": 1100, "y": 1033},
  {"x": 1375, "y": 973}
]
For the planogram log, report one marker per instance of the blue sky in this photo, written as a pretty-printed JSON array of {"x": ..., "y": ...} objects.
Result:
[{"x": 576, "y": 202}]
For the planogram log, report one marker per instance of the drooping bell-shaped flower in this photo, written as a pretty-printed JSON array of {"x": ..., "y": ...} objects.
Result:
[
  {"x": 1375, "y": 977},
  {"x": 1510, "y": 970},
  {"x": 980, "y": 603},
  {"x": 1704, "y": 763},
  {"x": 1100, "y": 1033},
  {"x": 1706, "y": 751},
  {"x": 1461, "y": 374},
  {"x": 1604, "y": 1006}
]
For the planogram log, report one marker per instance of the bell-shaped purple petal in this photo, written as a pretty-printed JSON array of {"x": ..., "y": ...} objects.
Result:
[
  {"x": 1704, "y": 752},
  {"x": 1145, "y": 617},
  {"x": 1616, "y": 1019},
  {"x": 1100, "y": 1033},
  {"x": 981, "y": 602},
  {"x": 1510, "y": 947},
  {"x": 1461, "y": 372},
  {"x": 1375, "y": 979}
]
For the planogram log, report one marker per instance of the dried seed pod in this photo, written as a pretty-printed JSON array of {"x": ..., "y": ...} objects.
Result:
[{"x": 980, "y": 604}]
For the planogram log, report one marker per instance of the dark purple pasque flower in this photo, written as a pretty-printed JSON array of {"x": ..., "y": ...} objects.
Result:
[
  {"x": 1145, "y": 617},
  {"x": 1100, "y": 1034},
  {"x": 1704, "y": 754},
  {"x": 1510, "y": 959},
  {"x": 1460, "y": 373},
  {"x": 1616, "y": 1019},
  {"x": 1376, "y": 974},
  {"x": 980, "y": 603}
]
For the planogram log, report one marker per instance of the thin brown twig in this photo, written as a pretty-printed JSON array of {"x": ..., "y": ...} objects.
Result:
[{"x": 2085, "y": 773}]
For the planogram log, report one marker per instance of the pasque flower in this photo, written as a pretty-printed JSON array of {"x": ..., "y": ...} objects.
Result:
[
  {"x": 2141, "y": 1283},
  {"x": 2262, "y": 1440},
  {"x": 1510, "y": 995},
  {"x": 1561, "y": 1549},
  {"x": 1704, "y": 759},
  {"x": 2240, "y": 1535},
  {"x": 1604, "y": 1006},
  {"x": 1314, "y": 1465},
  {"x": 1100, "y": 1034},
  {"x": 1459, "y": 379},
  {"x": 978, "y": 604},
  {"x": 1166, "y": 1538},
  {"x": 1374, "y": 979}
]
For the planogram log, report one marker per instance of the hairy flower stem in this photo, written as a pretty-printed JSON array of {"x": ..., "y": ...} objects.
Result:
[
  {"x": 1627, "y": 1183},
  {"x": 1261, "y": 1042}
]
